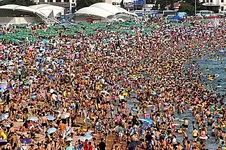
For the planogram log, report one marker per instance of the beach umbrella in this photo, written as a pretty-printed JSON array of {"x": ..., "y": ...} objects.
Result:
[
  {"x": 3, "y": 86},
  {"x": 51, "y": 130},
  {"x": 150, "y": 120},
  {"x": 26, "y": 141},
  {"x": 70, "y": 148},
  {"x": 146, "y": 121},
  {"x": 3, "y": 142},
  {"x": 45, "y": 41},
  {"x": 4, "y": 116},
  {"x": 33, "y": 96},
  {"x": 32, "y": 118},
  {"x": 65, "y": 115},
  {"x": 51, "y": 118}
]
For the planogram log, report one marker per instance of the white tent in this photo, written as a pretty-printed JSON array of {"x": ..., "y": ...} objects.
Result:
[
  {"x": 92, "y": 11},
  {"x": 48, "y": 9},
  {"x": 17, "y": 20},
  {"x": 110, "y": 8},
  {"x": 45, "y": 12},
  {"x": 21, "y": 8},
  {"x": 103, "y": 10}
]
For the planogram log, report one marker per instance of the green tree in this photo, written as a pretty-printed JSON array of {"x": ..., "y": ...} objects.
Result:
[
  {"x": 162, "y": 4},
  {"x": 17, "y": 2},
  {"x": 171, "y": 3},
  {"x": 187, "y": 7},
  {"x": 199, "y": 5},
  {"x": 150, "y": 1},
  {"x": 86, "y": 3}
]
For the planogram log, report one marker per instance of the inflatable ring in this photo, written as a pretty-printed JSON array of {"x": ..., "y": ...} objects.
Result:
[{"x": 203, "y": 138}]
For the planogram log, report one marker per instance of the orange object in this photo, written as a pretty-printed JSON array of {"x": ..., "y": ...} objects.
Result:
[
  {"x": 90, "y": 20},
  {"x": 62, "y": 127}
]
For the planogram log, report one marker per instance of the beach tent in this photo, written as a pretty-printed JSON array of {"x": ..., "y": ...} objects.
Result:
[
  {"x": 48, "y": 10},
  {"x": 176, "y": 18}
]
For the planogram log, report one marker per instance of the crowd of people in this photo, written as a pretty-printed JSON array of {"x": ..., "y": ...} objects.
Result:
[{"x": 111, "y": 90}]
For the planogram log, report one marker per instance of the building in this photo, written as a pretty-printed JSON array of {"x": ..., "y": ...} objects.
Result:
[
  {"x": 215, "y": 5},
  {"x": 68, "y": 4}
]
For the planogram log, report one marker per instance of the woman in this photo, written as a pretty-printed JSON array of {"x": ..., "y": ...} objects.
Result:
[
  {"x": 2, "y": 134},
  {"x": 195, "y": 134},
  {"x": 203, "y": 135}
]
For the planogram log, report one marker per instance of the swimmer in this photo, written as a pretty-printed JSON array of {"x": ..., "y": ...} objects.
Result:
[{"x": 195, "y": 134}]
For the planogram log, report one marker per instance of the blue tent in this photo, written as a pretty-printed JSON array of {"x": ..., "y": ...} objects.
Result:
[{"x": 176, "y": 18}]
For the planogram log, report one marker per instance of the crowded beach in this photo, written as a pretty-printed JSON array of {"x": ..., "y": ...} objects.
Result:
[{"x": 111, "y": 86}]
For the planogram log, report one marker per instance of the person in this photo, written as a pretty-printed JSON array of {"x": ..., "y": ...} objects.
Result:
[
  {"x": 102, "y": 144},
  {"x": 85, "y": 145},
  {"x": 31, "y": 147},
  {"x": 90, "y": 147},
  {"x": 195, "y": 133},
  {"x": 185, "y": 123},
  {"x": 2, "y": 134},
  {"x": 62, "y": 127},
  {"x": 53, "y": 76}
]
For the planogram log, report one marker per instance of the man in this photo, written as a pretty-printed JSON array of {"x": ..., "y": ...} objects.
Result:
[
  {"x": 90, "y": 146},
  {"x": 85, "y": 145},
  {"x": 31, "y": 147},
  {"x": 62, "y": 128},
  {"x": 102, "y": 145}
]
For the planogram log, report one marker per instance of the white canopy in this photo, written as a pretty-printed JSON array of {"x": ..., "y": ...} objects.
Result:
[
  {"x": 110, "y": 8},
  {"x": 94, "y": 11},
  {"x": 128, "y": 1},
  {"x": 48, "y": 9},
  {"x": 104, "y": 10},
  {"x": 21, "y": 8},
  {"x": 20, "y": 20}
]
